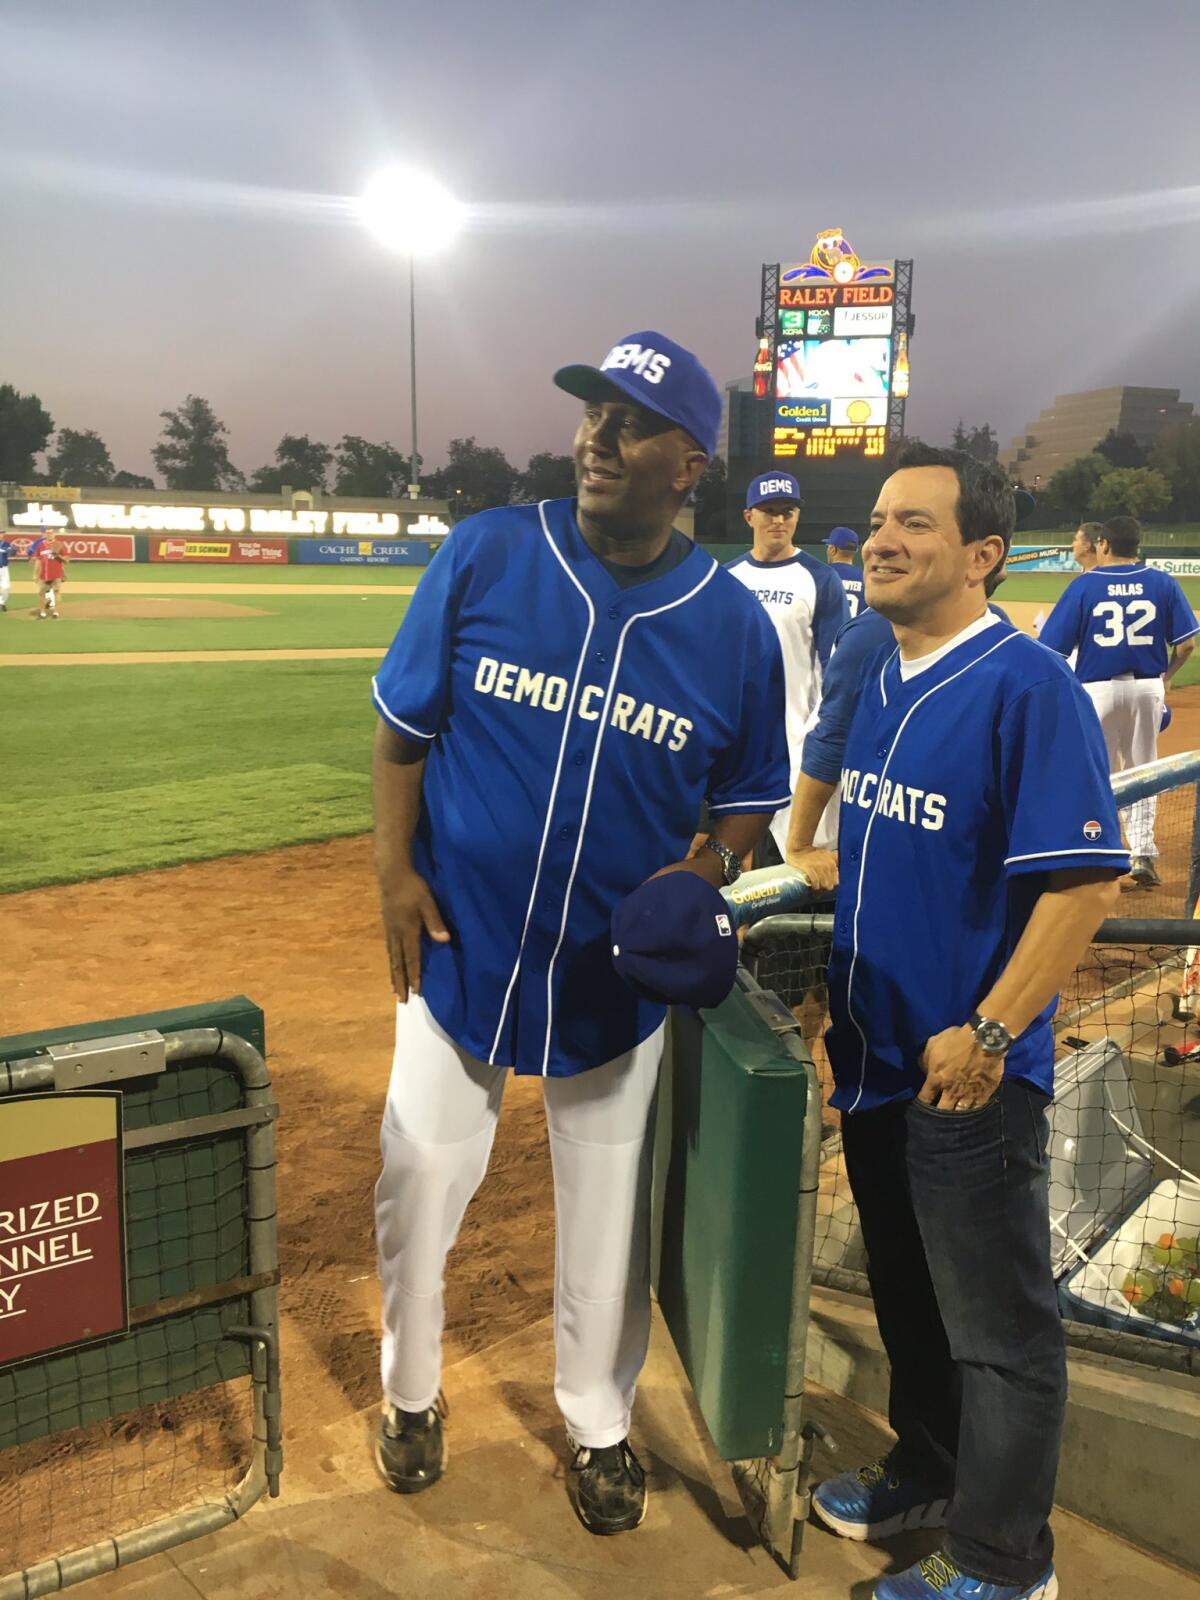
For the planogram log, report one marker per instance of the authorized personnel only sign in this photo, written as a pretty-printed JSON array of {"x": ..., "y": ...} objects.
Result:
[{"x": 62, "y": 1233}]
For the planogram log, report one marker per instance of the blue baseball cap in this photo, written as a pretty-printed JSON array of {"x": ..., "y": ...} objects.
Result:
[
  {"x": 673, "y": 941},
  {"x": 842, "y": 539},
  {"x": 773, "y": 486},
  {"x": 659, "y": 374},
  {"x": 1164, "y": 722}
]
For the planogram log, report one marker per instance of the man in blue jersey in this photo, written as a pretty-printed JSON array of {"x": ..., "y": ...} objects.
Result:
[
  {"x": 7, "y": 551},
  {"x": 1120, "y": 620},
  {"x": 806, "y": 604},
  {"x": 841, "y": 544},
  {"x": 570, "y": 682},
  {"x": 979, "y": 851}
]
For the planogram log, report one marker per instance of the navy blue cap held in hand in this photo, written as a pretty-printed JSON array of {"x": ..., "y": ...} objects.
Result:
[{"x": 674, "y": 942}]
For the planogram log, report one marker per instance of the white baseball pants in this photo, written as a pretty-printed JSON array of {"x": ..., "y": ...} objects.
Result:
[
  {"x": 438, "y": 1125},
  {"x": 1130, "y": 710},
  {"x": 5, "y": 585}
]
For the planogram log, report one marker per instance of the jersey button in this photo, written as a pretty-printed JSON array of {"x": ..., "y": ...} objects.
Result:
[
  {"x": 564, "y": 833},
  {"x": 613, "y": 613},
  {"x": 580, "y": 758},
  {"x": 600, "y": 656},
  {"x": 882, "y": 751}
]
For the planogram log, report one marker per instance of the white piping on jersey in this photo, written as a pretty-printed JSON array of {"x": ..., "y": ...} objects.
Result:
[
  {"x": 602, "y": 728},
  {"x": 887, "y": 663},
  {"x": 562, "y": 746},
  {"x": 379, "y": 701},
  {"x": 753, "y": 805},
  {"x": 862, "y": 866},
  {"x": 1184, "y": 636},
  {"x": 1046, "y": 855}
]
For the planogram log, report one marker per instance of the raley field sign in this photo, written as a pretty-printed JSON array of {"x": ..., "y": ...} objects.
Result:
[
  {"x": 201, "y": 519},
  {"x": 62, "y": 1233}
]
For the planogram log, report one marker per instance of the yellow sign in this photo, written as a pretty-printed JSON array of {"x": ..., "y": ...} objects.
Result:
[{"x": 48, "y": 491}]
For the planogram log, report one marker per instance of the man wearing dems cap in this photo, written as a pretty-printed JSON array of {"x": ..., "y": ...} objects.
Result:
[
  {"x": 570, "y": 682},
  {"x": 806, "y": 604},
  {"x": 841, "y": 544}
]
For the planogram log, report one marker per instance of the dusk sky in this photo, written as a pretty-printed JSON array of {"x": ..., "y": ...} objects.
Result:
[{"x": 177, "y": 180}]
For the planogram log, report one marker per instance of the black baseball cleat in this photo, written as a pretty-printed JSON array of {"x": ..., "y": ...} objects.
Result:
[
  {"x": 410, "y": 1447},
  {"x": 1142, "y": 870},
  {"x": 610, "y": 1492}
]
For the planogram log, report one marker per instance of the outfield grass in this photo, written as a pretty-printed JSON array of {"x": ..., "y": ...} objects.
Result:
[
  {"x": 119, "y": 769},
  {"x": 262, "y": 622},
  {"x": 115, "y": 769},
  {"x": 226, "y": 572}
]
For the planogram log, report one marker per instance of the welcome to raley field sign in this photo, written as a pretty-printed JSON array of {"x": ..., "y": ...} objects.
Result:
[
  {"x": 205, "y": 519},
  {"x": 62, "y": 1234}
]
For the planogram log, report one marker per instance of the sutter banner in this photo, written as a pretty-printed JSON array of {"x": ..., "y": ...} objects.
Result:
[
  {"x": 62, "y": 1224},
  {"x": 269, "y": 552}
]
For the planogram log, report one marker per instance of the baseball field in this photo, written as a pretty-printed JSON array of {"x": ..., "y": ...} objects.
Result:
[
  {"x": 181, "y": 714},
  {"x": 183, "y": 817}
]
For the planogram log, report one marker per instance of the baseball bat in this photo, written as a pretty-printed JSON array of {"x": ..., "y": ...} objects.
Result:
[
  {"x": 1171, "y": 772},
  {"x": 778, "y": 891},
  {"x": 767, "y": 892}
]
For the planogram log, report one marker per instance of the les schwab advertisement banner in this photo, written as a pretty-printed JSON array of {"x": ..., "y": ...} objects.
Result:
[
  {"x": 363, "y": 552},
  {"x": 83, "y": 546},
  {"x": 263, "y": 552}
]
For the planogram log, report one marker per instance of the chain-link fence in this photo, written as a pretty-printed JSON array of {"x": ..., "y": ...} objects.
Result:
[{"x": 1125, "y": 1133}]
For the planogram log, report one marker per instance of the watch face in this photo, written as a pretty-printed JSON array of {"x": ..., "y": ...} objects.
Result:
[{"x": 994, "y": 1038}]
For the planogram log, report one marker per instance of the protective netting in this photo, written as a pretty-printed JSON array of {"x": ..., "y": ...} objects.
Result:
[
  {"x": 1173, "y": 822},
  {"x": 103, "y": 1439},
  {"x": 1125, "y": 1139},
  {"x": 65, "y": 1492}
]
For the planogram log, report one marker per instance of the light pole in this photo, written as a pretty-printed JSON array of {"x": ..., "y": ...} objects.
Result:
[{"x": 412, "y": 214}]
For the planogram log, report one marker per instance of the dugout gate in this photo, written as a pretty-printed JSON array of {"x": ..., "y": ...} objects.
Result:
[{"x": 115, "y": 1450}]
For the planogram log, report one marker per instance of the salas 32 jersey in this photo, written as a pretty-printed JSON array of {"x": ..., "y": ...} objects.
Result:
[
  {"x": 962, "y": 786},
  {"x": 1122, "y": 620},
  {"x": 574, "y": 728}
]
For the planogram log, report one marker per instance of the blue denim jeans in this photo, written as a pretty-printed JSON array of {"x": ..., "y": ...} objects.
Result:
[{"x": 955, "y": 1218}]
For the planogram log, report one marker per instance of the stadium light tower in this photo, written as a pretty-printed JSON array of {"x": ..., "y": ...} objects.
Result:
[{"x": 411, "y": 213}]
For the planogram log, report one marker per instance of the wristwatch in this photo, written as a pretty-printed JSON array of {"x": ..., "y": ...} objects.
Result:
[
  {"x": 733, "y": 867},
  {"x": 993, "y": 1038}
]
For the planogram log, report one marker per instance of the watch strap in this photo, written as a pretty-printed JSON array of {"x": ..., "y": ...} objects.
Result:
[{"x": 731, "y": 864}]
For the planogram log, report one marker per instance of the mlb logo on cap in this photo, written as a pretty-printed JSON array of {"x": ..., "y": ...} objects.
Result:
[
  {"x": 673, "y": 941},
  {"x": 773, "y": 486}
]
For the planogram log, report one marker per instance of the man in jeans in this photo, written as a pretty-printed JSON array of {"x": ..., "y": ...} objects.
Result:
[{"x": 979, "y": 851}]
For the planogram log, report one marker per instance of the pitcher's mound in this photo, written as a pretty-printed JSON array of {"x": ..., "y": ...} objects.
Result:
[{"x": 129, "y": 608}]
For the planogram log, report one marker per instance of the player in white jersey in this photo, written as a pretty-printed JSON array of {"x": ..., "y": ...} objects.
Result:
[
  {"x": 1120, "y": 620},
  {"x": 841, "y": 544},
  {"x": 806, "y": 604}
]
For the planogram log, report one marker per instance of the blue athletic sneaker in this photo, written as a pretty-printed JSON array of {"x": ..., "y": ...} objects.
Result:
[
  {"x": 937, "y": 1578},
  {"x": 877, "y": 1502}
]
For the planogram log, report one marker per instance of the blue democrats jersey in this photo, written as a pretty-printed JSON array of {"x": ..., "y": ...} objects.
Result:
[
  {"x": 574, "y": 727},
  {"x": 962, "y": 788},
  {"x": 6, "y": 550},
  {"x": 1122, "y": 620},
  {"x": 852, "y": 582}
]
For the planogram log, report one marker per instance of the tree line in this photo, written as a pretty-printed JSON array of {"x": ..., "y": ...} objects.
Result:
[{"x": 192, "y": 454}]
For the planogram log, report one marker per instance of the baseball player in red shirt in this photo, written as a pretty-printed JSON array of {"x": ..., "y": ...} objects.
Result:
[{"x": 50, "y": 566}]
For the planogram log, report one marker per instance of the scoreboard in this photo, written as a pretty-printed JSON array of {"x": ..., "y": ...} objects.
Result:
[{"x": 833, "y": 352}]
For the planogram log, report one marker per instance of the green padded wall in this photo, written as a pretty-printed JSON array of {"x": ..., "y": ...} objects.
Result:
[{"x": 726, "y": 1188}]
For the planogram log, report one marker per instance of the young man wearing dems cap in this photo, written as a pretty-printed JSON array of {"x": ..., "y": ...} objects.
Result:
[
  {"x": 805, "y": 602},
  {"x": 571, "y": 681},
  {"x": 841, "y": 544}
]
